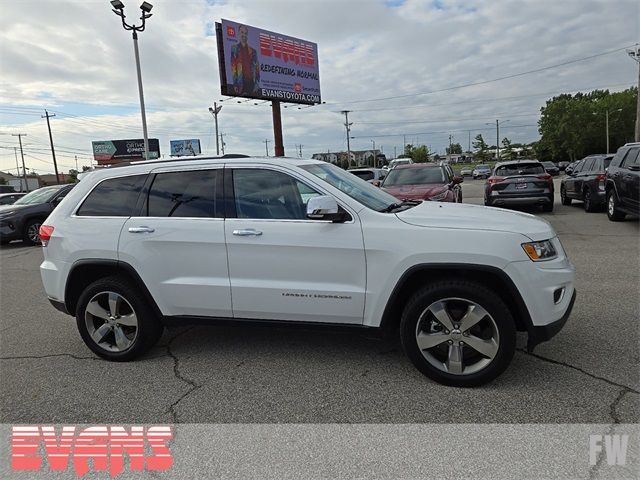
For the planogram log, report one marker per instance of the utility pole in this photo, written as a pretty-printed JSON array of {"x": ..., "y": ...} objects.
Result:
[
  {"x": 15, "y": 151},
  {"x": 266, "y": 146},
  {"x": 214, "y": 111},
  {"x": 222, "y": 143},
  {"x": 635, "y": 54},
  {"x": 53, "y": 152},
  {"x": 76, "y": 163},
  {"x": 450, "y": 145},
  {"x": 394, "y": 152},
  {"x": 374, "y": 154},
  {"x": 24, "y": 169},
  {"x": 469, "y": 146},
  {"x": 404, "y": 144},
  {"x": 300, "y": 150},
  {"x": 497, "y": 137},
  {"x": 348, "y": 127}
]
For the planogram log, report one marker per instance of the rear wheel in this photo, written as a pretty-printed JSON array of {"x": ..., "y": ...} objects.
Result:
[
  {"x": 563, "y": 196},
  {"x": 458, "y": 333},
  {"x": 587, "y": 201},
  {"x": 115, "y": 321},
  {"x": 31, "y": 232},
  {"x": 613, "y": 213}
]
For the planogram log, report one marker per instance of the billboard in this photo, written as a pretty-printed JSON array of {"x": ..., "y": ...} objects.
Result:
[
  {"x": 180, "y": 148},
  {"x": 256, "y": 63},
  {"x": 115, "y": 151}
]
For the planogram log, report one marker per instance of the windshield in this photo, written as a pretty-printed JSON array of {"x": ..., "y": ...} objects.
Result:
[
  {"x": 41, "y": 195},
  {"x": 548, "y": 164},
  {"x": 482, "y": 167},
  {"x": 356, "y": 188},
  {"x": 414, "y": 176},
  {"x": 519, "y": 169}
]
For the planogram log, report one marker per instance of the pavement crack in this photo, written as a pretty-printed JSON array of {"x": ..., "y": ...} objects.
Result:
[
  {"x": 593, "y": 471},
  {"x": 573, "y": 367},
  {"x": 54, "y": 355},
  {"x": 193, "y": 386}
]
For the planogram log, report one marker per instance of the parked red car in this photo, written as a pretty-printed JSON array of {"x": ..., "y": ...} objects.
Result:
[{"x": 423, "y": 181}]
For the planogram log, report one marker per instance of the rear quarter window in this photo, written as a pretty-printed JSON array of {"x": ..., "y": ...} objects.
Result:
[{"x": 115, "y": 197}]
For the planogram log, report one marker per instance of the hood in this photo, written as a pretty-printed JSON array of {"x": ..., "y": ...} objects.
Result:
[
  {"x": 415, "y": 192},
  {"x": 12, "y": 208},
  {"x": 476, "y": 217}
]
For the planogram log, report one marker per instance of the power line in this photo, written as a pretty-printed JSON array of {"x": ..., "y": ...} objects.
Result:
[{"x": 484, "y": 82}]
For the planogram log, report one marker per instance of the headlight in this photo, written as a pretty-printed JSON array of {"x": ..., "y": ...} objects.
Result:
[
  {"x": 540, "y": 251},
  {"x": 439, "y": 196}
]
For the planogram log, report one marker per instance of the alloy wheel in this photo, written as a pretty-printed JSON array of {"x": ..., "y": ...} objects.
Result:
[
  {"x": 33, "y": 232},
  {"x": 111, "y": 321},
  {"x": 611, "y": 205},
  {"x": 457, "y": 336}
]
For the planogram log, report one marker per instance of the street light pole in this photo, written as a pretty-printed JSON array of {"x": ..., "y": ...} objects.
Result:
[{"x": 118, "y": 9}]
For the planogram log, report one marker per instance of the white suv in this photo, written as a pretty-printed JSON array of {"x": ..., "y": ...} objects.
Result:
[{"x": 134, "y": 248}]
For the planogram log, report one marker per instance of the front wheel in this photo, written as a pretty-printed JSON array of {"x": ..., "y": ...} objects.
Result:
[
  {"x": 613, "y": 213},
  {"x": 458, "y": 333},
  {"x": 115, "y": 321},
  {"x": 563, "y": 196}
]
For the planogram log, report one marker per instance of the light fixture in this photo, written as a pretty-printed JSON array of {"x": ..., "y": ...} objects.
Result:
[{"x": 146, "y": 7}]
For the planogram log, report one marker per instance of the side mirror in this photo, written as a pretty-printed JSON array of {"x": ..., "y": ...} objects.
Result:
[
  {"x": 457, "y": 179},
  {"x": 325, "y": 207},
  {"x": 376, "y": 183}
]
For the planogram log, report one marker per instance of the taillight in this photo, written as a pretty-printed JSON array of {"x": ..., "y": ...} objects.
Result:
[
  {"x": 545, "y": 176},
  {"x": 45, "y": 233},
  {"x": 601, "y": 178},
  {"x": 494, "y": 180}
]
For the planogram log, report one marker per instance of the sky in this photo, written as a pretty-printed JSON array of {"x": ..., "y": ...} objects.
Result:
[{"x": 408, "y": 70}]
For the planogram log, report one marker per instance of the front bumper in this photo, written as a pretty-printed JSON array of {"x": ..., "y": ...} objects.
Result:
[
  {"x": 543, "y": 333},
  {"x": 9, "y": 230}
]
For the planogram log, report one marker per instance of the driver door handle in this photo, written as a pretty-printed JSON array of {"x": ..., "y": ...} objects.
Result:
[
  {"x": 247, "y": 232},
  {"x": 141, "y": 229}
]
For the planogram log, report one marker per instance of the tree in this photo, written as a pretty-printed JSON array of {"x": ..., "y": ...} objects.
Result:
[
  {"x": 507, "y": 149},
  {"x": 481, "y": 148},
  {"x": 573, "y": 126},
  {"x": 417, "y": 154},
  {"x": 455, "y": 148}
]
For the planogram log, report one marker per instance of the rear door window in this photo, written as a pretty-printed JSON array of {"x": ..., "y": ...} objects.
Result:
[
  {"x": 189, "y": 194},
  {"x": 588, "y": 164},
  {"x": 115, "y": 197},
  {"x": 365, "y": 175}
]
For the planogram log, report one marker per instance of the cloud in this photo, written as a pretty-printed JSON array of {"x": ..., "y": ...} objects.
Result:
[{"x": 74, "y": 58}]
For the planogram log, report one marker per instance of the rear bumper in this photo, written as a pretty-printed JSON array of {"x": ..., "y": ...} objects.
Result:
[
  {"x": 542, "y": 333},
  {"x": 520, "y": 200}
]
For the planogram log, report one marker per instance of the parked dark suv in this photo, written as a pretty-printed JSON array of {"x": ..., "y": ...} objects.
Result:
[
  {"x": 22, "y": 220},
  {"x": 623, "y": 183},
  {"x": 586, "y": 182},
  {"x": 523, "y": 182}
]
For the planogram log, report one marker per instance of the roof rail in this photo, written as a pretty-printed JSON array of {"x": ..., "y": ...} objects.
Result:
[{"x": 179, "y": 159}]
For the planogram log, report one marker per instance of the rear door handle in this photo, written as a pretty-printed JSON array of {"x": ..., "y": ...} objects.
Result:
[
  {"x": 247, "y": 232},
  {"x": 142, "y": 229}
]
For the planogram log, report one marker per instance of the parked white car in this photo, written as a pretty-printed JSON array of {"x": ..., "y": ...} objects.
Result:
[
  {"x": 134, "y": 248},
  {"x": 399, "y": 161}
]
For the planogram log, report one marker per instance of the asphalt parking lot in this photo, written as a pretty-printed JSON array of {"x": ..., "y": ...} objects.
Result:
[{"x": 589, "y": 373}]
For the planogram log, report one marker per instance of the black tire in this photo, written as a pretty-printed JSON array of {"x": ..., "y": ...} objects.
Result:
[
  {"x": 28, "y": 236},
  {"x": 487, "y": 203},
  {"x": 613, "y": 213},
  {"x": 563, "y": 196},
  {"x": 587, "y": 201},
  {"x": 548, "y": 207},
  {"x": 473, "y": 292},
  {"x": 149, "y": 328}
]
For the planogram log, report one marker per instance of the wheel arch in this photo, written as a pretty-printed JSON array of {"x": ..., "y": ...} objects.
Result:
[
  {"x": 85, "y": 272},
  {"x": 489, "y": 276}
]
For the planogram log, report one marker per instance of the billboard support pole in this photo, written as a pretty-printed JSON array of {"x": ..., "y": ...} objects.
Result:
[{"x": 277, "y": 129}]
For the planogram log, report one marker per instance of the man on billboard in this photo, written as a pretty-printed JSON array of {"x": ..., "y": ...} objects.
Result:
[{"x": 245, "y": 68}]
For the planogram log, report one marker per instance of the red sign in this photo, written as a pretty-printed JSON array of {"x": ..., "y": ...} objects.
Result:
[{"x": 106, "y": 446}]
